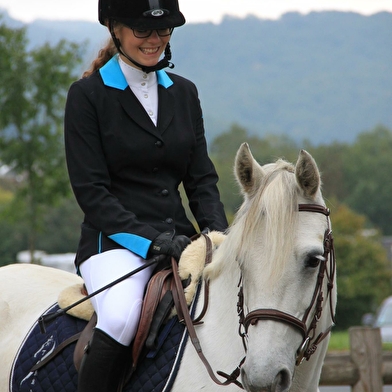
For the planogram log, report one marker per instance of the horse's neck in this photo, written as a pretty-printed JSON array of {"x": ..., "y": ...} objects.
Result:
[
  {"x": 221, "y": 321},
  {"x": 224, "y": 293}
]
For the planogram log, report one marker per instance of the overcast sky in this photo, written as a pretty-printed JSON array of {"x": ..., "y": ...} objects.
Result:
[{"x": 194, "y": 10}]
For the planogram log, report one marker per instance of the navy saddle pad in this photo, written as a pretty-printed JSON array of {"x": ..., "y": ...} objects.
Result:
[{"x": 155, "y": 373}]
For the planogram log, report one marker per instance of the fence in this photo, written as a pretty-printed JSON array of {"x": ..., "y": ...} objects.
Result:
[{"x": 365, "y": 368}]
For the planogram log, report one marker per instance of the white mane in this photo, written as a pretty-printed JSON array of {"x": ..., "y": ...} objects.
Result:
[{"x": 270, "y": 217}]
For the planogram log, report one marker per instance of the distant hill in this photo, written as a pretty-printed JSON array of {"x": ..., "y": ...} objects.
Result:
[{"x": 324, "y": 76}]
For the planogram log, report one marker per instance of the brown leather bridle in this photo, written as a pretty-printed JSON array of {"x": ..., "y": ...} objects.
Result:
[{"x": 309, "y": 342}]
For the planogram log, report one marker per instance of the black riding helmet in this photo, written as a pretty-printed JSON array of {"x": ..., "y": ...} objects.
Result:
[{"x": 141, "y": 15}]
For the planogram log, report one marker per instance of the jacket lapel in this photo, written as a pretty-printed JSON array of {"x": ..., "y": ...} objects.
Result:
[
  {"x": 112, "y": 76},
  {"x": 136, "y": 112},
  {"x": 166, "y": 108}
]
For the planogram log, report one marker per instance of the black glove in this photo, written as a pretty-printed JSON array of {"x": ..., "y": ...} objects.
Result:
[{"x": 169, "y": 244}]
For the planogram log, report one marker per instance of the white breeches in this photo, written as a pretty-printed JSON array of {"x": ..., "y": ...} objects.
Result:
[{"x": 118, "y": 308}]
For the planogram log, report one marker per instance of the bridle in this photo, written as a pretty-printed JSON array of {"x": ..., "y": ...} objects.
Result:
[{"x": 309, "y": 341}]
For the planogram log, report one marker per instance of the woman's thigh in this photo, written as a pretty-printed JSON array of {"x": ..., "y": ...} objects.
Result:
[{"x": 118, "y": 308}]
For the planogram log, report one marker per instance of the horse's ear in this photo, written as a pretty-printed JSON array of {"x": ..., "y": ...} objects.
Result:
[
  {"x": 248, "y": 172},
  {"x": 307, "y": 174}
]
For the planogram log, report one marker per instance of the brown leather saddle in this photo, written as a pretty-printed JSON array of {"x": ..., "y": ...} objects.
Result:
[{"x": 157, "y": 305}]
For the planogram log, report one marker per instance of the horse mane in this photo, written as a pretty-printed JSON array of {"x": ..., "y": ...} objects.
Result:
[{"x": 269, "y": 217}]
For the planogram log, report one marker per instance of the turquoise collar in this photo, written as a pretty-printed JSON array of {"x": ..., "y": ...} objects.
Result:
[{"x": 112, "y": 75}]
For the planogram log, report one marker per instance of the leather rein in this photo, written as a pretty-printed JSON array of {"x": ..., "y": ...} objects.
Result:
[{"x": 309, "y": 342}]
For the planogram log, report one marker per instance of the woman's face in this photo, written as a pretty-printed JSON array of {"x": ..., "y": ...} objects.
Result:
[{"x": 145, "y": 51}]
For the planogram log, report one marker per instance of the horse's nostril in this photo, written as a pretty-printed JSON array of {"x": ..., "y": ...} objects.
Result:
[{"x": 282, "y": 381}]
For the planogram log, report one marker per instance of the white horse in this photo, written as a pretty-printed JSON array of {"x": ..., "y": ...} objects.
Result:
[{"x": 275, "y": 251}]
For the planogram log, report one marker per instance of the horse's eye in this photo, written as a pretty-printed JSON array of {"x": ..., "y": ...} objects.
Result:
[{"x": 313, "y": 261}]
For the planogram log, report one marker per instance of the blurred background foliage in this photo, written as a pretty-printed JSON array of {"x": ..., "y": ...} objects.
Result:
[{"x": 38, "y": 211}]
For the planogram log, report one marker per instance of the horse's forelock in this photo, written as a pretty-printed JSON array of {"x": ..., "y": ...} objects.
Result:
[{"x": 270, "y": 217}]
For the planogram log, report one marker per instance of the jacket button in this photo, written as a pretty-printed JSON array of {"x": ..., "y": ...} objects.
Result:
[
  {"x": 169, "y": 221},
  {"x": 165, "y": 192},
  {"x": 155, "y": 170},
  {"x": 158, "y": 143}
]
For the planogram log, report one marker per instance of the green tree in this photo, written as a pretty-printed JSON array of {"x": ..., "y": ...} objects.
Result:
[
  {"x": 367, "y": 166},
  {"x": 12, "y": 233},
  {"x": 363, "y": 270},
  {"x": 33, "y": 86},
  {"x": 330, "y": 159},
  {"x": 61, "y": 224},
  {"x": 223, "y": 150}
]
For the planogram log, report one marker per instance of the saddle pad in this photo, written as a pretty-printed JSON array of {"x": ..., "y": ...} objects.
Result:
[
  {"x": 156, "y": 372},
  {"x": 60, "y": 373}
]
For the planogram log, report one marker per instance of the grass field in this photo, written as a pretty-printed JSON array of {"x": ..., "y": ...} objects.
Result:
[{"x": 340, "y": 341}]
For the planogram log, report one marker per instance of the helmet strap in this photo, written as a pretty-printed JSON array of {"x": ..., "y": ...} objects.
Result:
[{"x": 165, "y": 62}]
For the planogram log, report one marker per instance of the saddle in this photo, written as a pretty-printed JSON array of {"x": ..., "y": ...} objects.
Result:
[
  {"x": 157, "y": 304},
  {"x": 161, "y": 301}
]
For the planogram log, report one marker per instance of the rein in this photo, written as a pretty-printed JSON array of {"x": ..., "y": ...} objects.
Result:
[{"x": 182, "y": 309}]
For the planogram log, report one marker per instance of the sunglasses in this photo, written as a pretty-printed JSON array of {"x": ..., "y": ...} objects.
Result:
[{"x": 146, "y": 33}]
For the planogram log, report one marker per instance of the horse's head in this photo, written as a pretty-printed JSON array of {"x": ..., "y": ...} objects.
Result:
[{"x": 280, "y": 237}]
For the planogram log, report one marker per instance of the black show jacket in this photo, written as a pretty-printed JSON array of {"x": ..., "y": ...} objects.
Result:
[{"x": 125, "y": 171}]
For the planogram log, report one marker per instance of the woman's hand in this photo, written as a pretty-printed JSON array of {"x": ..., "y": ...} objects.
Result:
[{"x": 169, "y": 244}]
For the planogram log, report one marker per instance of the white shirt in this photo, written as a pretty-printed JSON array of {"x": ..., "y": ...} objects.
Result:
[{"x": 144, "y": 86}]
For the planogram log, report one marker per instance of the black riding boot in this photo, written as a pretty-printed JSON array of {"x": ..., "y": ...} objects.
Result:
[{"x": 103, "y": 364}]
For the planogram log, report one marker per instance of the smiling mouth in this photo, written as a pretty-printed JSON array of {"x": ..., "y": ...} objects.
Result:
[{"x": 149, "y": 50}]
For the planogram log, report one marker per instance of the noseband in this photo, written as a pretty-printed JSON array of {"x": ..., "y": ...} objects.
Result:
[{"x": 309, "y": 340}]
